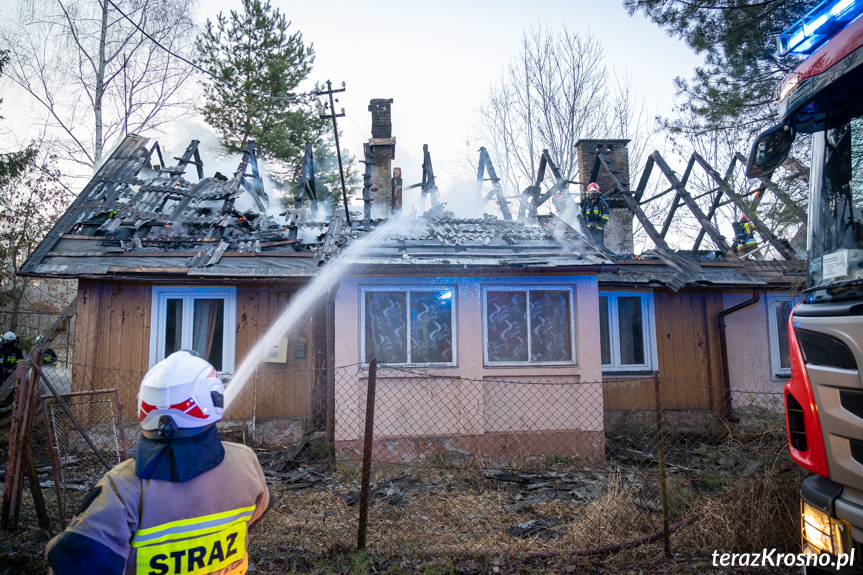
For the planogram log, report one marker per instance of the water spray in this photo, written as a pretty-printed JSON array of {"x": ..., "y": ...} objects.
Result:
[{"x": 305, "y": 299}]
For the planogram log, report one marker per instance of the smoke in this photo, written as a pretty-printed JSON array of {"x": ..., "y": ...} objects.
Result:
[{"x": 463, "y": 198}]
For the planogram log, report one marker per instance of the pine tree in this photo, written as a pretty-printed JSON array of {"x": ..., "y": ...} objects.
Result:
[
  {"x": 737, "y": 86},
  {"x": 13, "y": 164},
  {"x": 253, "y": 50}
]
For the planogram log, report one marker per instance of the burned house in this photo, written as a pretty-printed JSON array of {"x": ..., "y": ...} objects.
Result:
[{"x": 455, "y": 308}]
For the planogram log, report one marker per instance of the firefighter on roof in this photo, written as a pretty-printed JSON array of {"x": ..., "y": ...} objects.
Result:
[
  {"x": 186, "y": 501},
  {"x": 744, "y": 238},
  {"x": 594, "y": 208}
]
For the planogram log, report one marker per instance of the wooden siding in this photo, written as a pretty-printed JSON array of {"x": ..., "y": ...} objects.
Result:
[
  {"x": 690, "y": 363},
  {"x": 112, "y": 341}
]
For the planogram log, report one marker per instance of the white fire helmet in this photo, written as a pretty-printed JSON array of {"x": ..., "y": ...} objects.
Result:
[
  {"x": 9, "y": 336},
  {"x": 180, "y": 397}
]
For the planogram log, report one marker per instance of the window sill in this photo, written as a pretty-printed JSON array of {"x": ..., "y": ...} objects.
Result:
[
  {"x": 633, "y": 373},
  {"x": 412, "y": 366},
  {"x": 527, "y": 365}
]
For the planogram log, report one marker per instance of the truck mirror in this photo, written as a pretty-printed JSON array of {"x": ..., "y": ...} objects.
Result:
[{"x": 769, "y": 151}]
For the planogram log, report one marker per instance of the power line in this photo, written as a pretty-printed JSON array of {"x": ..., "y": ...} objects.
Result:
[
  {"x": 207, "y": 72},
  {"x": 360, "y": 130}
]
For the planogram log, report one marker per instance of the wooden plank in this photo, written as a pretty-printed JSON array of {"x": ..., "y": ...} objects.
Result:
[
  {"x": 669, "y": 366},
  {"x": 136, "y": 322},
  {"x": 714, "y": 306},
  {"x": 102, "y": 326},
  {"x": 35, "y": 489},
  {"x": 250, "y": 307},
  {"x": 133, "y": 344},
  {"x": 675, "y": 356},
  {"x": 270, "y": 375},
  {"x": 292, "y": 381},
  {"x": 303, "y": 388},
  {"x": 690, "y": 391},
  {"x": 317, "y": 351},
  {"x": 14, "y": 473},
  {"x": 700, "y": 367},
  {"x": 84, "y": 338}
]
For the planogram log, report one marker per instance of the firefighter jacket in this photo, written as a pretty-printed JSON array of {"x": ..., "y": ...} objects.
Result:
[
  {"x": 10, "y": 354},
  {"x": 595, "y": 212},
  {"x": 130, "y": 524}
]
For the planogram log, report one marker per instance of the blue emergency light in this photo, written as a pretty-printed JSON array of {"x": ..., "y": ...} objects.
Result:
[{"x": 814, "y": 29}]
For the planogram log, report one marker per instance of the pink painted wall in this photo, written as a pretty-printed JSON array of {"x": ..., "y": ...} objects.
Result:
[{"x": 471, "y": 398}]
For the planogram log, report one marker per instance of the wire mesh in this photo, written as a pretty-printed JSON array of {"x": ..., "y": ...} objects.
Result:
[
  {"x": 465, "y": 465},
  {"x": 76, "y": 465},
  {"x": 536, "y": 465}
]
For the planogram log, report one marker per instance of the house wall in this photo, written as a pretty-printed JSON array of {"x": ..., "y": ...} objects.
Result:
[
  {"x": 468, "y": 404},
  {"x": 112, "y": 340},
  {"x": 749, "y": 346},
  {"x": 688, "y": 353}
]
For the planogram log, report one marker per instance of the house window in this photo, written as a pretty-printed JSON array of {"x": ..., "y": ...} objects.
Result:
[
  {"x": 778, "y": 311},
  {"x": 199, "y": 319},
  {"x": 626, "y": 331},
  {"x": 408, "y": 325},
  {"x": 523, "y": 326}
]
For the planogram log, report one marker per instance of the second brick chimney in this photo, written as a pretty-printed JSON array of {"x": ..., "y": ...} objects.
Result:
[
  {"x": 381, "y": 151},
  {"x": 618, "y": 231}
]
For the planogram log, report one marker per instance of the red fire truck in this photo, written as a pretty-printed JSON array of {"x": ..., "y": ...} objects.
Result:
[{"x": 824, "y": 398}]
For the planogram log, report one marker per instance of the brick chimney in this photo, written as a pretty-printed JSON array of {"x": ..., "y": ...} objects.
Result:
[
  {"x": 381, "y": 150},
  {"x": 618, "y": 232}
]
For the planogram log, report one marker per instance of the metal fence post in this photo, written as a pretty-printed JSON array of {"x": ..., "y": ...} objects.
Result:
[
  {"x": 367, "y": 457},
  {"x": 663, "y": 492}
]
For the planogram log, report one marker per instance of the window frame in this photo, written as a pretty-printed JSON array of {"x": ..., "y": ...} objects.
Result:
[
  {"x": 528, "y": 288},
  {"x": 158, "y": 310},
  {"x": 406, "y": 289},
  {"x": 777, "y": 372},
  {"x": 648, "y": 327}
]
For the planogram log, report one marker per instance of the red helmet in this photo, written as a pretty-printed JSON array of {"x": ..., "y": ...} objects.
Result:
[{"x": 592, "y": 187}]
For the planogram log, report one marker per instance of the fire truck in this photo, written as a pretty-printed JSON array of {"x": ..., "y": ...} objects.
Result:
[{"x": 824, "y": 398}]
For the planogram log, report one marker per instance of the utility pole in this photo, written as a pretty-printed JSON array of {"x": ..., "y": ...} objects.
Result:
[{"x": 329, "y": 91}]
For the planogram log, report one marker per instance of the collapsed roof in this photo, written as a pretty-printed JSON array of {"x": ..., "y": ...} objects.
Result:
[{"x": 138, "y": 218}]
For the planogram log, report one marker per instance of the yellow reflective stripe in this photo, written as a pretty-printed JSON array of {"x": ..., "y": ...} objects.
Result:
[
  {"x": 187, "y": 532},
  {"x": 189, "y": 527},
  {"x": 194, "y": 556}
]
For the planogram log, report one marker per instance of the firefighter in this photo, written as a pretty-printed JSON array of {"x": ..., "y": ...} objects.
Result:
[
  {"x": 594, "y": 208},
  {"x": 184, "y": 504},
  {"x": 744, "y": 235},
  {"x": 10, "y": 355}
]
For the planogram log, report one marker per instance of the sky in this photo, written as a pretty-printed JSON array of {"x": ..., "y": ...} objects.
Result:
[{"x": 437, "y": 62}]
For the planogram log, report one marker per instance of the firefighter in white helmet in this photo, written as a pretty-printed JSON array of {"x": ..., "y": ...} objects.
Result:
[
  {"x": 184, "y": 504},
  {"x": 10, "y": 355}
]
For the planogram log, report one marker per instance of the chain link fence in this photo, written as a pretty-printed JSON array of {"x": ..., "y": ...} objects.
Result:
[
  {"x": 78, "y": 454},
  {"x": 461, "y": 465}
]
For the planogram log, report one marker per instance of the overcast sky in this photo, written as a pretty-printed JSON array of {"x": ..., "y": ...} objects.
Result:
[{"x": 436, "y": 60}]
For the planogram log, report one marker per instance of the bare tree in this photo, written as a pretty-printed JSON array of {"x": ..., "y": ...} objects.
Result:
[
  {"x": 93, "y": 75},
  {"x": 30, "y": 204},
  {"x": 556, "y": 91}
]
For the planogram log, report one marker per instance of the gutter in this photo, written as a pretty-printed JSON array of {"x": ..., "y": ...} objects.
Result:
[{"x": 723, "y": 346}]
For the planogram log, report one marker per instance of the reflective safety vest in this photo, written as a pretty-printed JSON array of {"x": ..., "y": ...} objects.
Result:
[{"x": 191, "y": 528}]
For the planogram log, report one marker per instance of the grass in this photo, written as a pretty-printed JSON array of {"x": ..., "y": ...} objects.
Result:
[{"x": 451, "y": 520}]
